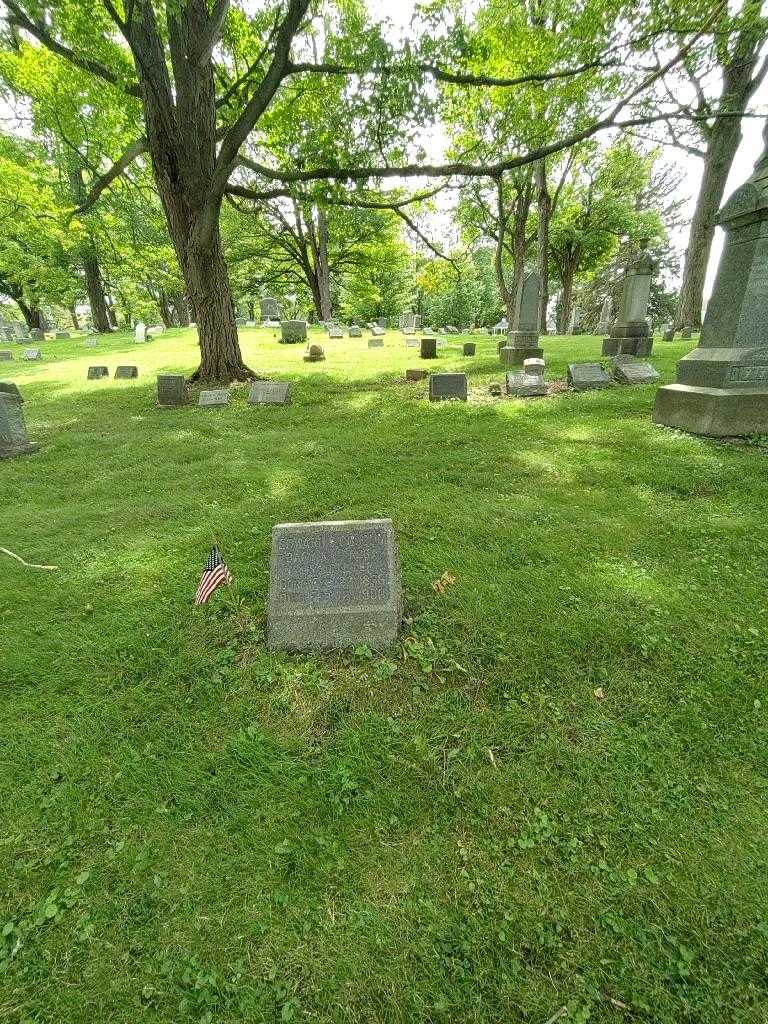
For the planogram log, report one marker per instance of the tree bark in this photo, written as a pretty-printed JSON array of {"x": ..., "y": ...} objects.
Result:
[
  {"x": 165, "y": 310},
  {"x": 507, "y": 296},
  {"x": 31, "y": 314},
  {"x": 323, "y": 270},
  {"x": 95, "y": 288},
  {"x": 180, "y": 308},
  {"x": 740, "y": 80},
  {"x": 544, "y": 202},
  {"x": 566, "y": 301},
  {"x": 73, "y": 314}
]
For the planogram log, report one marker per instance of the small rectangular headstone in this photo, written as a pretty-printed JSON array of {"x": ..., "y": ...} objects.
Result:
[
  {"x": 335, "y": 332},
  {"x": 428, "y": 348},
  {"x": 126, "y": 372},
  {"x": 375, "y": 343},
  {"x": 416, "y": 374},
  {"x": 13, "y": 430},
  {"x": 31, "y": 354},
  {"x": 377, "y": 332},
  {"x": 140, "y": 332},
  {"x": 382, "y": 322},
  {"x": 216, "y": 397},
  {"x": 36, "y": 334},
  {"x": 270, "y": 392},
  {"x": 412, "y": 343},
  {"x": 5, "y": 355},
  {"x": 171, "y": 389},
  {"x": 91, "y": 343},
  {"x": 97, "y": 372},
  {"x": 334, "y": 585},
  {"x": 293, "y": 331},
  {"x": 355, "y": 331},
  {"x": 587, "y": 376},
  {"x": 635, "y": 373},
  {"x": 470, "y": 348},
  {"x": 59, "y": 336},
  {"x": 444, "y": 386}
]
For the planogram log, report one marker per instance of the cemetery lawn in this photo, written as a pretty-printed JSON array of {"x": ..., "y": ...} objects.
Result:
[{"x": 554, "y": 791}]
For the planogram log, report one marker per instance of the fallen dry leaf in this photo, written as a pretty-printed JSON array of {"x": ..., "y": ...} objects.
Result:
[
  {"x": 446, "y": 580},
  {"x": 599, "y": 693}
]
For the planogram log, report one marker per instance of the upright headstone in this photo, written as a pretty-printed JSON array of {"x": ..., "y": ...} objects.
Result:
[
  {"x": 355, "y": 331},
  {"x": 587, "y": 376},
  {"x": 722, "y": 385},
  {"x": 382, "y": 323},
  {"x": 428, "y": 348},
  {"x": 334, "y": 585},
  {"x": 669, "y": 333},
  {"x": 408, "y": 322},
  {"x": 126, "y": 372},
  {"x": 293, "y": 331},
  {"x": 270, "y": 392},
  {"x": 469, "y": 348},
  {"x": 213, "y": 398},
  {"x": 530, "y": 383},
  {"x": 630, "y": 333},
  {"x": 13, "y": 430},
  {"x": 445, "y": 386},
  {"x": 171, "y": 389},
  {"x": 335, "y": 332},
  {"x": 412, "y": 342},
  {"x": 315, "y": 354},
  {"x": 270, "y": 309},
  {"x": 604, "y": 325},
  {"x": 523, "y": 343},
  {"x": 36, "y": 334},
  {"x": 140, "y": 332},
  {"x": 31, "y": 354},
  {"x": 97, "y": 372},
  {"x": 377, "y": 331}
]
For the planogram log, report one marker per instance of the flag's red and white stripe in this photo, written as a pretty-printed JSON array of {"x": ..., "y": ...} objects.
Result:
[{"x": 215, "y": 574}]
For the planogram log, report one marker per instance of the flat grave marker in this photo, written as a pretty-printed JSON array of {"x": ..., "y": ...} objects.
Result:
[
  {"x": 31, "y": 354},
  {"x": 5, "y": 355},
  {"x": 214, "y": 398},
  {"x": 270, "y": 392},
  {"x": 375, "y": 343},
  {"x": 126, "y": 372},
  {"x": 334, "y": 585},
  {"x": 587, "y": 376},
  {"x": 446, "y": 386},
  {"x": 97, "y": 372},
  {"x": 635, "y": 373}
]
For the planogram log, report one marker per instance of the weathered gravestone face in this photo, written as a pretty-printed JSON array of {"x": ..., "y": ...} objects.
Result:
[
  {"x": 412, "y": 342},
  {"x": 355, "y": 332},
  {"x": 413, "y": 375},
  {"x": 445, "y": 386},
  {"x": 587, "y": 376},
  {"x": 722, "y": 385},
  {"x": 216, "y": 397},
  {"x": 270, "y": 309},
  {"x": 316, "y": 354},
  {"x": 270, "y": 393},
  {"x": 470, "y": 348},
  {"x": 126, "y": 372},
  {"x": 333, "y": 585},
  {"x": 5, "y": 355},
  {"x": 635, "y": 373},
  {"x": 530, "y": 383},
  {"x": 377, "y": 332},
  {"x": 97, "y": 372},
  {"x": 428, "y": 348},
  {"x": 9, "y": 388},
  {"x": 36, "y": 334},
  {"x": 669, "y": 334},
  {"x": 382, "y": 322},
  {"x": 31, "y": 354},
  {"x": 335, "y": 332},
  {"x": 140, "y": 332},
  {"x": 375, "y": 343},
  {"x": 171, "y": 389},
  {"x": 13, "y": 431},
  {"x": 293, "y": 331}
]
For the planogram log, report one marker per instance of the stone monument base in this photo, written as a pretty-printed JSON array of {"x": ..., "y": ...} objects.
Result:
[
  {"x": 713, "y": 412},
  {"x": 639, "y": 345},
  {"x": 519, "y": 346}
]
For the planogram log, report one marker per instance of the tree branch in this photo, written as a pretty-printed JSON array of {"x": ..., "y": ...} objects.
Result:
[
  {"x": 210, "y": 37},
  {"x": 94, "y": 67},
  {"x": 118, "y": 167}
]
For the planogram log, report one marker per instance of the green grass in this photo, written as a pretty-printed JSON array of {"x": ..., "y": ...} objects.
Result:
[{"x": 194, "y": 829}]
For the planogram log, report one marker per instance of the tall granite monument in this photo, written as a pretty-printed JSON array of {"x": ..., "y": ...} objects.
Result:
[
  {"x": 630, "y": 334},
  {"x": 523, "y": 343},
  {"x": 722, "y": 385}
]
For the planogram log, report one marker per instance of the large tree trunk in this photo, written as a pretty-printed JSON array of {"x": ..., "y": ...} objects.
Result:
[
  {"x": 566, "y": 300},
  {"x": 73, "y": 315},
  {"x": 544, "y": 202},
  {"x": 31, "y": 314},
  {"x": 180, "y": 308},
  {"x": 95, "y": 289},
  {"x": 507, "y": 295},
  {"x": 723, "y": 138},
  {"x": 165, "y": 310},
  {"x": 323, "y": 270}
]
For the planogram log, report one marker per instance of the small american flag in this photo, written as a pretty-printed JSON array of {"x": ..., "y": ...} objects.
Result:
[{"x": 214, "y": 575}]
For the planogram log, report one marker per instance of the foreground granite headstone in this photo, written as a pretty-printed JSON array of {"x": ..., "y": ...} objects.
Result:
[
  {"x": 31, "y": 354},
  {"x": 375, "y": 343},
  {"x": 428, "y": 348},
  {"x": 445, "y": 386},
  {"x": 587, "y": 376},
  {"x": 7, "y": 387},
  {"x": 270, "y": 392},
  {"x": 630, "y": 333},
  {"x": 523, "y": 343},
  {"x": 293, "y": 331},
  {"x": 5, "y": 355},
  {"x": 722, "y": 385},
  {"x": 530, "y": 383},
  {"x": 13, "y": 430},
  {"x": 172, "y": 389},
  {"x": 214, "y": 397},
  {"x": 635, "y": 372},
  {"x": 334, "y": 585},
  {"x": 126, "y": 372},
  {"x": 97, "y": 372}
]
